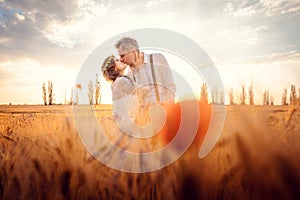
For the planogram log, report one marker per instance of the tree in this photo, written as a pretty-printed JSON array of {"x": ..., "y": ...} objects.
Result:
[
  {"x": 284, "y": 96},
  {"x": 266, "y": 98},
  {"x": 44, "y": 94},
  {"x": 231, "y": 98},
  {"x": 222, "y": 98},
  {"x": 293, "y": 95},
  {"x": 91, "y": 92},
  {"x": 203, "y": 93},
  {"x": 97, "y": 92},
  {"x": 65, "y": 97},
  {"x": 243, "y": 96},
  {"x": 76, "y": 103},
  {"x": 299, "y": 96},
  {"x": 251, "y": 95},
  {"x": 50, "y": 93},
  {"x": 71, "y": 97},
  {"x": 214, "y": 95},
  {"x": 272, "y": 100}
]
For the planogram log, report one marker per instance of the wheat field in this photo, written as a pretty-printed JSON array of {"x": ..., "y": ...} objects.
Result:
[{"x": 256, "y": 157}]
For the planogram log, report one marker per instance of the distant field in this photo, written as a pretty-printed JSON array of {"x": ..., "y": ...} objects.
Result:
[
  {"x": 256, "y": 157},
  {"x": 22, "y": 109}
]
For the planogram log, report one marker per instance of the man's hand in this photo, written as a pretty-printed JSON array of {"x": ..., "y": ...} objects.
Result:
[{"x": 139, "y": 59}]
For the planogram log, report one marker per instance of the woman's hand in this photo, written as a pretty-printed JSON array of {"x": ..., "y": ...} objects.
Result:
[{"x": 139, "y": 59}]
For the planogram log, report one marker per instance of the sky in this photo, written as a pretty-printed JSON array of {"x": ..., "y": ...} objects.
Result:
[{"x": 251, "y": 42}]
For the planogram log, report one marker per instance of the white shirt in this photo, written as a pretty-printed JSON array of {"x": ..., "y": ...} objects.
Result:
[
  {"x": 144, "y": 82},
  {"x": 124, "y": 99}
]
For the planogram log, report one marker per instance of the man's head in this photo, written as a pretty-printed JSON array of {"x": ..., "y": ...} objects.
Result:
[{"x": 127, "y": 48}]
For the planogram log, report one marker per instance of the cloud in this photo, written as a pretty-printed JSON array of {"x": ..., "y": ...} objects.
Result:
[
  {"x": 75, "y": 31},
  {"x": 266, "y": 7},
  {"x": 285, "y": 58},
  {"x": 46, "y": 31},
  {"x": 63, "y": 33},
  {"x": 48, "y": 9},
  {"x": 241, "y": 9},
  {"x": 155, "y": 3},
  {"x": 38, "y": 29},
  {"x": 258, "y": 28},
  {"x": 280, "y": 7}
]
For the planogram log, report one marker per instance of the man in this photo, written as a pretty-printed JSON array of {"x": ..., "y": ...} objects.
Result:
[
  {"x": 154, "y": 83},
  {"x": 152, "y": 76}
]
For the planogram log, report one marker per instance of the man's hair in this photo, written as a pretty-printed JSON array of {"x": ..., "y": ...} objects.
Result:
[{"x": 127, "y": 44}]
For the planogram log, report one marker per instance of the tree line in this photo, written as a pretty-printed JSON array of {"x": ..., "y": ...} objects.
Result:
[
  {"x": 244, "y": 95},
  {"x": 94, "y": 94}
]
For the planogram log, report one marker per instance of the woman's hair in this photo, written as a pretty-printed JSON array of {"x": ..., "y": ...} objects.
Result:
[{"x": 108, "y": 69}]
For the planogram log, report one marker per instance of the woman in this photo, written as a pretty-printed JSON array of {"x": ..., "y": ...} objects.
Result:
[{"x": 123, "y": 93}]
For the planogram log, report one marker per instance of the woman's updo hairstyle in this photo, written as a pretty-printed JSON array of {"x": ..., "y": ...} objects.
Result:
[{"x": 108, "y": 69}]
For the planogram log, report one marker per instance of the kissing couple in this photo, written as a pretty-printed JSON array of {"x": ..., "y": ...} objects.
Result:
[{"x": 139, "y": 81}]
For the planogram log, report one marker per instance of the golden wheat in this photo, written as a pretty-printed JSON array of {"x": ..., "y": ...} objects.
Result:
[{"x": 42, "y": 157}]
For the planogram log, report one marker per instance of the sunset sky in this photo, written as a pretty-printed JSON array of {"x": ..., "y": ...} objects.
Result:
[{"x": 250, "y": 41}]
